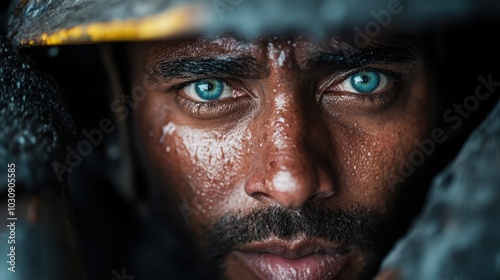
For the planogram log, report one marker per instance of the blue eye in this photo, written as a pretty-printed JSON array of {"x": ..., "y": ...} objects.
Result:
[
  {"x": 207, "y": 90},
  {"x": 365, "y": 82}
]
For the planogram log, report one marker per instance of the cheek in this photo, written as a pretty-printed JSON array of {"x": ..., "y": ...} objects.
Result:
[
  {"x": 200, "y": 166},
  {"x": 371, "y": 159},
  {"x": 377, "y": 148}
]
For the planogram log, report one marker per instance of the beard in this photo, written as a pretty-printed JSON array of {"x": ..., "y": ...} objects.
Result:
[{"x": 357, "y": 228}]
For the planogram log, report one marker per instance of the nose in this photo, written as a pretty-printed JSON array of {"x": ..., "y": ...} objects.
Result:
[{"x": 288, "y": 170}]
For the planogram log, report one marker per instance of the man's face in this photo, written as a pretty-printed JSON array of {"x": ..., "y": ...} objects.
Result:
[{"x": 281, "y": 149}]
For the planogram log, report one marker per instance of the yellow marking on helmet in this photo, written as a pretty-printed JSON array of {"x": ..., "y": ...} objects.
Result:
[{"x": 171, "y": 22}]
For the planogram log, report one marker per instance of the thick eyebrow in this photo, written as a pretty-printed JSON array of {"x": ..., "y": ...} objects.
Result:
[
  {"x": 238, "y": 67},
  {"x": 357, "y": 58}
]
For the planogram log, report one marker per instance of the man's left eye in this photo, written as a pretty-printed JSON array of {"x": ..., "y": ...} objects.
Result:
[
  {"x": 208, "y": 90},
  {"x": 365, "y": 82}
]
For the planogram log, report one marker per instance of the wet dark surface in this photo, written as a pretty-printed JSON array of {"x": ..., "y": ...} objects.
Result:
[
  {"x": 35, "y": 129},
  {"x": 313, "y": 17},
  {"x": 35, "y": 124}
]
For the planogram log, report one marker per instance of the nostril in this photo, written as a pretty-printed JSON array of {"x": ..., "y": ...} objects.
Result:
[
  {"x": 322, "y": 195},
  {"x": 261, "y": 196}
]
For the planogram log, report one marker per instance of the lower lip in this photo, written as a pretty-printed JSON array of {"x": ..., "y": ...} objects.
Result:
[{"x": 314, "y": 266}]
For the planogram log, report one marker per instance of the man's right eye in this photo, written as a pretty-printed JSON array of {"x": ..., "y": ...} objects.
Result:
[{"x": 207, "y": 90}]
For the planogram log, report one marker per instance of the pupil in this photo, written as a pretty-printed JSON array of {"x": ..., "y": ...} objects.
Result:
[{"x": 209, "y": 87}]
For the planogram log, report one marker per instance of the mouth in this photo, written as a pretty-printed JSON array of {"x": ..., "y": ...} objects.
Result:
[{"x": 298, "y": 259}]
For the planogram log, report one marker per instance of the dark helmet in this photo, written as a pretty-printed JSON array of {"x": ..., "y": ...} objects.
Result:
[
  {"x": 59, "y": 22},
  {"x": 56, "y": 22}
]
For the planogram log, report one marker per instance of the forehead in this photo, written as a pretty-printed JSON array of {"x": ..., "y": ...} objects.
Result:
[{"x": 305, "y": 51}]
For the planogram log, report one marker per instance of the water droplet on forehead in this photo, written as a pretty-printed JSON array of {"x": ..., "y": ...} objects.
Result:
[{"x": 281, "y": 59}]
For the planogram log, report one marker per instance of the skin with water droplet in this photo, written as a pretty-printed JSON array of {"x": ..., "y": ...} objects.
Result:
[{"x": 283, "y": 150}]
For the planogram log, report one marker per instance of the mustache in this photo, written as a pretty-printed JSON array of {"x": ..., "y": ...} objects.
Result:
[{"x": 347, "y": 228}]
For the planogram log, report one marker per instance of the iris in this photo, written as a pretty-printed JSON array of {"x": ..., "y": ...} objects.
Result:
[
  {"x": 365, "y": 82},
  {"x": 209, "y": 89}
]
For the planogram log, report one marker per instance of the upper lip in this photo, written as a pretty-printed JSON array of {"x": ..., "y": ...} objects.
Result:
[{"x": 293, "y": 249}]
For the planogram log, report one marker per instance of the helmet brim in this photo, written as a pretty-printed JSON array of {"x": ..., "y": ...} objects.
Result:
[{"x": 58, "y": 22}]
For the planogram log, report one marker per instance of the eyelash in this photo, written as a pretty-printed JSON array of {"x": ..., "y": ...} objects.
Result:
[
  {"x": 195, "y": 107},
  {"x": 381, "y": 98}
]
